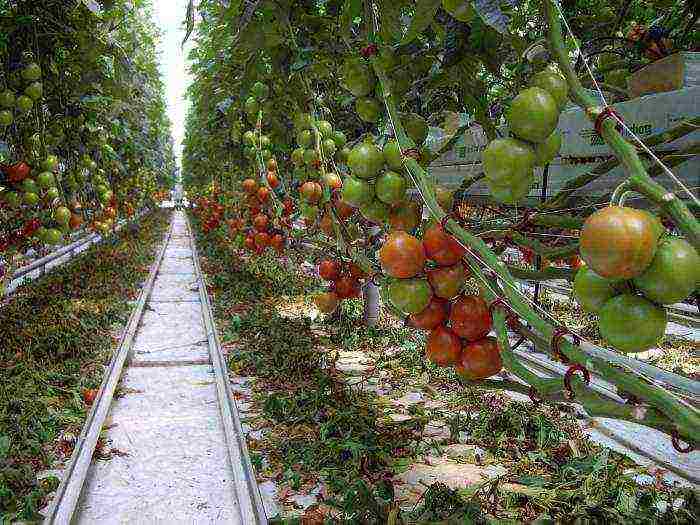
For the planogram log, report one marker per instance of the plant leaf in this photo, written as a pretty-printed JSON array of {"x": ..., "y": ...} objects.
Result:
[{"x": 423, "y": 17}]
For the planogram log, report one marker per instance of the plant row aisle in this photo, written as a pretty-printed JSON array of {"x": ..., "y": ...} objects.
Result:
[
  {"x": 313, "y": 128},
  {"x": 84, "y": 147},
  {"x": 84, "y": 138},
  {"x": 351, "y": 423},
  {"x": 58, "y": 334}
]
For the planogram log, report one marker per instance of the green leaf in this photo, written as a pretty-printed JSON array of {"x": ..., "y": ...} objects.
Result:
[{"x": 423, "y": 17}]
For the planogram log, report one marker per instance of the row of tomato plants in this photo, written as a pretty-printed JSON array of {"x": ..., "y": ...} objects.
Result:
[
  {"x": 346, "y": 195},
  {"x": 84, "y": 138}
]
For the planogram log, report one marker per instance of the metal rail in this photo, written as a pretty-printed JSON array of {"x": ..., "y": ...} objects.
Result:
[
  {"x": 68, "y": 494},
  {"x": 544, "y": 366},
  {"x": 247, "y": 491},
  {"x": 92, "y": 239}
]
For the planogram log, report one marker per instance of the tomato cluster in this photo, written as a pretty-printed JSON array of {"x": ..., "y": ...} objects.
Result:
[
  {"x": 533, "y": 117},
  {"x": 632, "y": 269},
  {"x": 345, "y": 280}
]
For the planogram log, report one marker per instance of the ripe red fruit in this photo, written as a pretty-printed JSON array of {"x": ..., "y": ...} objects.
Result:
[
  {"x": 263, "y": 194},
  {"x": 441, "y": 247},
  {"x": 470, "y": 317},
  {"x": 402, "y": 255},
  {"x": 17, "y": 172},
  {"x": 277, "y": 242},
  {"x": 250, "y": 242},
  {"x": 329, "y": 270},
  {"x": 480, "y": 359},
  {"x": 447, "y": 280},
  {"x": 272, "y": 179},
  {"x": 262, "y": 240},
  {"x": 311, "y": 191},
  {"x": 89, "y": 396},
  {"x": 250, "y": 186},
  {"x": 261, "y": 222},
  {"x": 346, "y": 287},
  {"x": 432, "y": 316},
  {"x": 443, "y": 347},
  {"x": 344, "y": 209}
]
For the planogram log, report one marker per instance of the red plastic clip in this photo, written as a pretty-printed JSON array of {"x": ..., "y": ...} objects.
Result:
[
  {"x": 443, "y": 222},
  {"x": 559, "y": 333},
  {"x": 675, "y": 441},
  {"x": 608, "y": 112},
  {"x": 412, "y": 153},
  {"x": 570, "y": 372}
]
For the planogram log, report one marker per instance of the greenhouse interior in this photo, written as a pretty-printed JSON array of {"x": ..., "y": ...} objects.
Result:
[{"x": 350, "y": 261}]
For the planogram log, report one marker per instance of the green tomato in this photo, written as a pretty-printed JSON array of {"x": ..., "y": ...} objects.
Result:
[
  {"x": 264, "y": 141},
  {"x": 30, "y": 186},
  {"x": 305, "y": 138},
  {"x": 12, "y": 198},
  {"x": 6, "y": 118},
  {"x": 62, "y": 215},
  {"x": 365, "y": 160},
  {"x": 45, "y": 179},
  {"x": 30, "y": 199},
  {"x": 53, "y": 193},
  {"x": 390, "y": 187},
  {"x": 251, "y": 107},
  {"x": 328, "y": 147},
  {"x": 35, "y": 90},
  {"x": 392, "y": 155},
  {"x": 673, "y": 274},
  {"x": 344, "y": 154},
  {"x": 298, "y": 157},
  {"x": 260, "y": 91},
  {"x": 310, "y": 157},
  {"x": 7, "y": 99},
  {"x": 358, "y": 77},
  {"x": 325, "y": 128},
  {"x": 547, "y": 150},
  {"x": 510, "y": 193},
  {"x": 592, "y": 291},
  {"x": 249, "y": 138},
  {"x": 554, "y": 83},
  {"x": 533, "y": 115},
  {"x": 50, "y": 163},
  {"x": 410, "y": 296},
  {"x": 368, "y": 109},
  {"x": 266, "y": 154},
  {"x": 340, "y": 139},
  {"x": 24, "y": 103},
  {"x": 416, "y": 127},
  {"x": 508, "y": 165},
  {"x": 53, "y": 236},
  {"x": 357, "y": 192},
  {"x": 631, "y": 323},
  {"x": 31, "y": 72},
  {"x": 375, "y": 211}
]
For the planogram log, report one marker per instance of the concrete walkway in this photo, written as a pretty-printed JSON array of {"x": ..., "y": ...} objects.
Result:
[{"x": 164, "y": 458}]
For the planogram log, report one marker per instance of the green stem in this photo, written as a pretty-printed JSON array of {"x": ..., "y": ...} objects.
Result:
[
  {"x": 638, "y": 177},
  {"x": 686, "y": 418}
]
